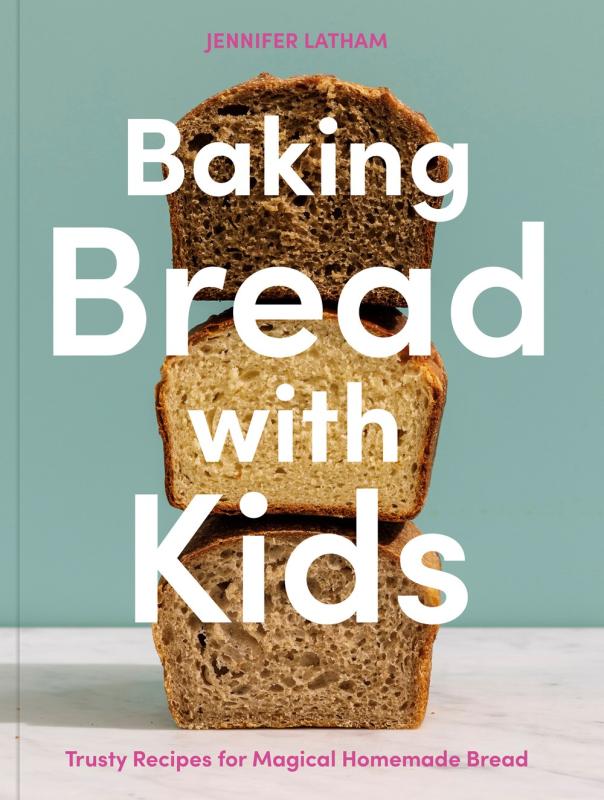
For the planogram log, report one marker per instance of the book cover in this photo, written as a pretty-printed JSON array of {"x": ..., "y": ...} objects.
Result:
[{"x": 302, "y": 399}]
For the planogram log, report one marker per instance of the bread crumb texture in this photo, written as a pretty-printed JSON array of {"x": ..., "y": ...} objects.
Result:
[
  {"x": 329, "y": 238},
  {"x": 289, "y": 672},
  {"x": 222, "y": 373}
]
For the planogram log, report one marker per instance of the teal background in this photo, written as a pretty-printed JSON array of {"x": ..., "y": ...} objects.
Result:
[
  {"x": 9, "y": 407},
  {"x": 518, "y": 473}
]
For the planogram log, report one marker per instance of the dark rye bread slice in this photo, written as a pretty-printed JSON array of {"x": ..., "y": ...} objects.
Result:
[
  {"x": 329, "y": 238},
  {"x": 289, "y": 672},
  {"x": 220, "y": 373}
]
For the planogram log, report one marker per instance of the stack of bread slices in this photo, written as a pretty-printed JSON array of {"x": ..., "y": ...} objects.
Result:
[{"x": 288, "y": 671}]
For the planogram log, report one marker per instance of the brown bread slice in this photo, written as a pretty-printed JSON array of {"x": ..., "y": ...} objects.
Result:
[
  {"x": 289, "y": 672},
  {"x": 329, "y": 238},
  {"x": 220, "y": 372}
]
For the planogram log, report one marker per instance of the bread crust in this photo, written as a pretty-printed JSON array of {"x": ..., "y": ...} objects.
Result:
[
  {"x": 380, "y": 321},
  {"x": 265, "y": 82},
  {"x": 218, "y": 531}
]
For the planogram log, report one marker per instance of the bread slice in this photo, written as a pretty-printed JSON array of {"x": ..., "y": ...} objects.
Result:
[
  {"x": 289, "y": 672},
  {"x": 328, "y": 238},
  {"x": 221, "y": 373}
]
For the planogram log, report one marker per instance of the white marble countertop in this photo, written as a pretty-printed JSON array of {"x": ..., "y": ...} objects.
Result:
[{"x": 496, "y": 691}]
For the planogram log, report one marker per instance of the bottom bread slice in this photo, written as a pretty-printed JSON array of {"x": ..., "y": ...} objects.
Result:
[{"x": 290, "y": 672}]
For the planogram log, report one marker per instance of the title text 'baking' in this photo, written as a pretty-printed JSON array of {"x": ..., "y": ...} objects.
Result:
[{"x": 279, "y": 167}]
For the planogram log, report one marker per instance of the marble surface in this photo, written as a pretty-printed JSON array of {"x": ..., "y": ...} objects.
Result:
[{"x": 496, "y": 691}]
